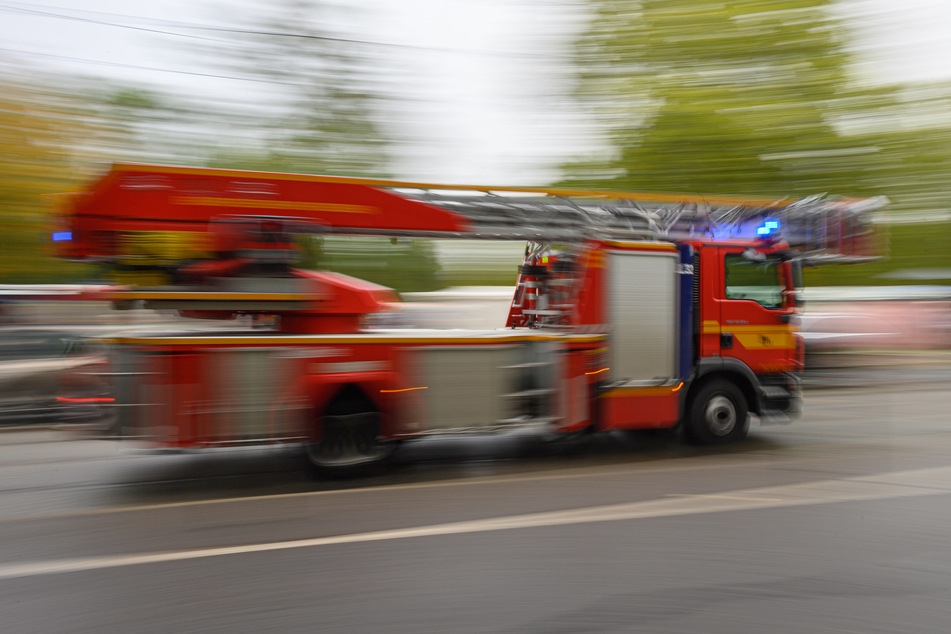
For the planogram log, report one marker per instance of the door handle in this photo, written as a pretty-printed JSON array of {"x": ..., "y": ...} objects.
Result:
[{"x": 726, "y": 339}]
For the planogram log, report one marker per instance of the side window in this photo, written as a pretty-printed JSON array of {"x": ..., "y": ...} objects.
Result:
[{"x": 755, "y": 281}]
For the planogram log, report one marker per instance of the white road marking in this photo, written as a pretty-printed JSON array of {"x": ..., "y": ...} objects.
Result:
[
  {"x": 721, "y": 497},
  {"x": 922, "y": 482},
  {"x": 673, "y": 465}
]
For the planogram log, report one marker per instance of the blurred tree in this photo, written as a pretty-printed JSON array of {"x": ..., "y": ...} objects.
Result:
[
  {"x": 40, "y": 131},
  {"x": 759, "y": 97},
  {"x": 129, "y": 117},
  {"x": 55, "y": 134},
  {"x": 405, "y": 265},
  {"x": 128, "y": 123},
  {"x": 322, "y": 115},
  {"x": 742, "y": 97}
]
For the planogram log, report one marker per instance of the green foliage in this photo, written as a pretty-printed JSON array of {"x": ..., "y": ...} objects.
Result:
[
  {"x": 756, "y": 97},
  {"x": 400, "y": 264},
  {"x": 715, "y": 97},
  {"x": 483, "y": 276},
  {"x": 918, "y": 253},
  {"x": 38, "y": 130},
  {"x": 128, "y": 102},
  {"x": 329, "y": 121}
]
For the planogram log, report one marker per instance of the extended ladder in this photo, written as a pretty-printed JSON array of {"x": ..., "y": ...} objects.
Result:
[
  {"x": 825, "y": 229},
  {"x": 137, "y": 198}
]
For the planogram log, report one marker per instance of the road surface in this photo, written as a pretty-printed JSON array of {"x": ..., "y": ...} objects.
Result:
[{"x": 838, "y": 522}]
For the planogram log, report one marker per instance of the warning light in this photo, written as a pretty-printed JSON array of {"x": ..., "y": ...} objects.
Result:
[
  {"x": 767, "y": 227},
  {"x": 62, "y": 236}
]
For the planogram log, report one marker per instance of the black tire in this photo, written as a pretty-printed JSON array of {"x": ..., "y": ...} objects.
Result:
[
  {"x": 717, "y": 413},
  {"x": 569, "y": 444},
  {"x": 350, "y": 443}
]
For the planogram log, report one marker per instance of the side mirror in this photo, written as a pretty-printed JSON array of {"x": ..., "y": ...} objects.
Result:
[{"x": 794, "y": 298}]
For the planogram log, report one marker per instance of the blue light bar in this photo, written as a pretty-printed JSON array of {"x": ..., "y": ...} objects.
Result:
[
  {"x": 767, "y": 227},
  {"x": 62, "y": 236}
]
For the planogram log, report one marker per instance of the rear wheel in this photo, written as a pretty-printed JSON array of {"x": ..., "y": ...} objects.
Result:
[
  {"x": 718, "y": 413},
  {"x": 350, "y": 443}
]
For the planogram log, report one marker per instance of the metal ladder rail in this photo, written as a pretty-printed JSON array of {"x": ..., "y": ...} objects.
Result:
[
  {"x": 559, "y": 217},
  {"x": 822, "y": 230}
]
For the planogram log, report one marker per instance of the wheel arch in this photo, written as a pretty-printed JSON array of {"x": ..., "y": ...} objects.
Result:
[
  {"x": 346, "y": 396},
  {"x": 732, "y": 370},
  {"x": 318, "y": 392},
  {"x": 348, "y": 431}
]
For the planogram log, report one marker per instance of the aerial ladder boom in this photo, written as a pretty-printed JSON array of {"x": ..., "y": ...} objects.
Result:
[{"x": 238, "y": 207}]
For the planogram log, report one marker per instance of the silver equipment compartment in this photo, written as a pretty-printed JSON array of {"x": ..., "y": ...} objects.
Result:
[
  {"x": 490, "y": 381},
  {"x": 486, "y": 387},
  {"x": 644, "y": 309}
]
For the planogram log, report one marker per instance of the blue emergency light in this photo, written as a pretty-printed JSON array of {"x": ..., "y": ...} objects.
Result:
[
  {"x": 62, "y": 236},
  {"x": 767, "y": 227}
]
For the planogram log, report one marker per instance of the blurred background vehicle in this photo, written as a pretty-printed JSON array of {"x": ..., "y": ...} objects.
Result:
[
  {"x": 41, "y": 367},
  {"x": 852, "y": 326}
]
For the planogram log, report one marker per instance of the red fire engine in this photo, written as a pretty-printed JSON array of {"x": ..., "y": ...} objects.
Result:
[{"x": 631, "y": 311}]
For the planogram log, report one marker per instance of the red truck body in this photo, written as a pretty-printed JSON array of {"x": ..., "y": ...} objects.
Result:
[{"x": 631, "y": 311}]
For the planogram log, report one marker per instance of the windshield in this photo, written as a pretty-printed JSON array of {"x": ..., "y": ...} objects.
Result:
[{"x": 756, "y": 281}]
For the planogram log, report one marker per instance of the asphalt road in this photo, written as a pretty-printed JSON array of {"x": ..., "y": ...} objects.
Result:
[{"x": 836, "y": 523}]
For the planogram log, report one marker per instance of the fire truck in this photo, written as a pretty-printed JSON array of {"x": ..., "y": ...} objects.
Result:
[{"x": 631, "y": 311}]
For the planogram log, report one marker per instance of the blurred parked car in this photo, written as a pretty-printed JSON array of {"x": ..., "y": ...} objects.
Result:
[
  {"x": 833, "y": 331},
  {"x": 42, "y": 370}
]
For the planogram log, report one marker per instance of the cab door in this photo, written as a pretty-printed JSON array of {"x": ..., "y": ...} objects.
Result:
[{"x": 756, "y": 325}]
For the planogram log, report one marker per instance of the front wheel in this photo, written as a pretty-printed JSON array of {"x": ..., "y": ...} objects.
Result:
[{"x": 718, "y": 413}]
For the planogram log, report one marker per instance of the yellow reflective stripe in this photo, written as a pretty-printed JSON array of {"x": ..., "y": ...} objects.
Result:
[
  {"x": 627, "y": 392},
  {"x": 755, "y": 328},
  {"x": 708, "y": 327},
  {"x": 284, "y": 205},
  {"x": 764, "y": 203},
  {"x": 208, "y": 296},
  {"x": 642, "y": 246},
  {"x": 368, "y": 338},
  {"x": 766, "y": 340},
  {"x": 593, "y": 260},
  {"x": 781, "y": 333}
]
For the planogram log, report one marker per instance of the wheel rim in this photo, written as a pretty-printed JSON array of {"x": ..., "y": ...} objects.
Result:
[
  {"x": 720, "y": 415},
  {"x": 348, "y": 440}
]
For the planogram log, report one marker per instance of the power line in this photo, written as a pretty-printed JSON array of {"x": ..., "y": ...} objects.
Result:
[
  {"x": 47, "y": 12},
  {"x": 148, "y": 68},
  {"x": 75, "y": 18}
]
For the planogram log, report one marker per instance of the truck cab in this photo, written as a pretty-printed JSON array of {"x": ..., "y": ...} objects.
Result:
[
  {"x": 746, "y": 323},
  {"x": 748, "y": 306}
]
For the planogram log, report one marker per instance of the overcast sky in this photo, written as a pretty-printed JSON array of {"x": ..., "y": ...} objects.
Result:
[{"x": 470, "y": 63}]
